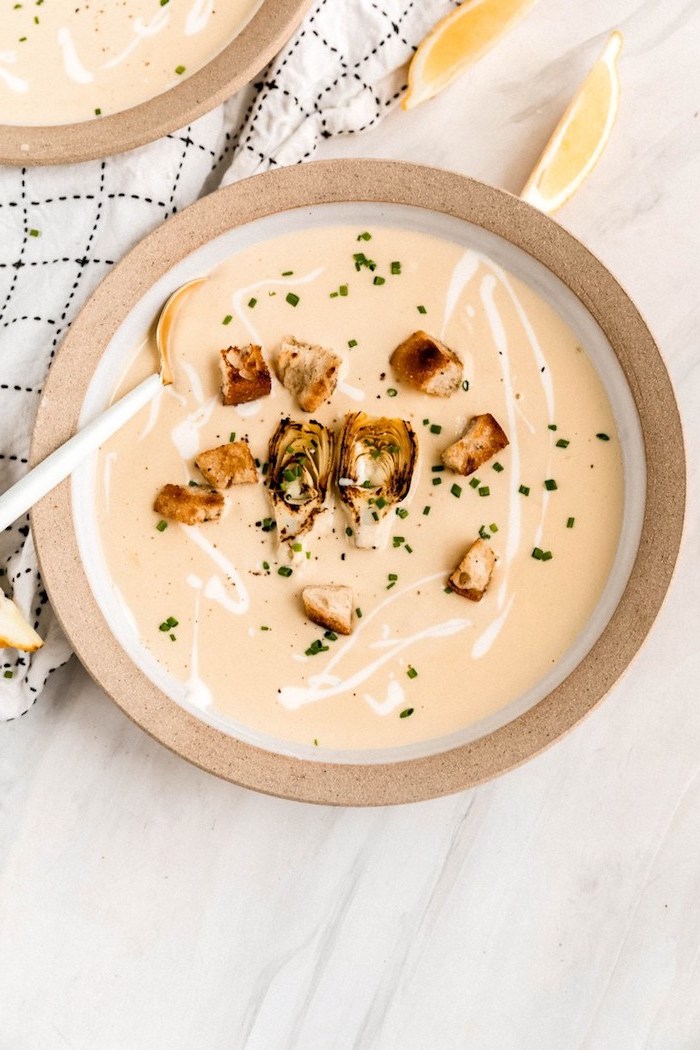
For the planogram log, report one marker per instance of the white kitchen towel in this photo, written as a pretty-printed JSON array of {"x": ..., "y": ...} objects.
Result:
[{"x": 62, "y": 228}]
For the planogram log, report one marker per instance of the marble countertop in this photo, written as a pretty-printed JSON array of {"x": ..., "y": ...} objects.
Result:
[{"x": 147, "y": 905}]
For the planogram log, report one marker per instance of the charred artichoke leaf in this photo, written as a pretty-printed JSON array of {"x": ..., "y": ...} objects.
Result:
[
  {"x": 376, "y": 460},
  {"x": 301, "y": 465}
]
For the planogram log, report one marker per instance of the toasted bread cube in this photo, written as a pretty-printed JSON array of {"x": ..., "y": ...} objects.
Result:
[
  {"x": 473, "y": 574},
  {"x": 428, "y": 365},
  {"x": 188, "y": 504},
  {"x": 482, "y": 439},
  {"x": 227, "y": 465},
  {"x": 244, "y": 375},
  {"x": 329, "y": 606},
  {"x": 309, "y": 372}
]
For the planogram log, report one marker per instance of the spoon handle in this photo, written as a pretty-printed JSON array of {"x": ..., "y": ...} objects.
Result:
[{"x": 52, "y": 470}]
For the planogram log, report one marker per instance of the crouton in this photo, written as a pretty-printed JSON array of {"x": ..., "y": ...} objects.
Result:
[
  {"x": 428, "y": 365},
  {"x": 189, "y": 504},
  {"x": 228, "y": 465},
  {"x": 473, "y": 574},
  {"x": 329, "y": 606},
  {"x": 244, "y": 375},
  {"x": 482, "y": 439},
  {"x": 309, "y": 372}
]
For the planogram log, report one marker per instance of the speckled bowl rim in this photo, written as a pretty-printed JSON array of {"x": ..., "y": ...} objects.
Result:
[
  {"x": 460, "y": 767},
  {"x": 234, "y": 67}
]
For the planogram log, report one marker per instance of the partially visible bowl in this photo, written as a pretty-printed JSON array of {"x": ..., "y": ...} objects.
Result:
[{"x": 239, "y": 61}]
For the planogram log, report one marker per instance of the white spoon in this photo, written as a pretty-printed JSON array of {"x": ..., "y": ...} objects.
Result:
[{"x": 52, "y": 470}]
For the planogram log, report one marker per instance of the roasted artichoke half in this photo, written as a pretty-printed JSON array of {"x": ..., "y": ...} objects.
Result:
[
  {"x": 301, "y": 465},
  {"x": 376, "y": 460}
]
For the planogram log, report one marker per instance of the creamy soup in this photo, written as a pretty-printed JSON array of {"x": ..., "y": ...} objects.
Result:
[
  {"x": 65, "y": 62},
  {"x": 421, "y": 661}
]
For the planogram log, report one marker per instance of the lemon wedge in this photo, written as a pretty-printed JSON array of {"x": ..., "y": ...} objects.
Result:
[
  {"x": 15, "y": 632},
  {"x": 580, "y": 136},
  {"x": 456, "y": 42}
]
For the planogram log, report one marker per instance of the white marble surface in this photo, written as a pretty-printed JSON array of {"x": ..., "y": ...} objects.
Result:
[{"x": 146, "y": 905}]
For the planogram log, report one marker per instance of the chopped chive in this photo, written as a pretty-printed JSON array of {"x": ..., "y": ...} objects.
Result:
[
  {"x": 401, "y": 512},
  {"x": 193, "y": 484},
  {"x": 493, "y": 526},
  {"x": 498, "y": 467},
  {"x": 435, "y": 428},
  {"x": 550, "y": 484},
  {"x": 475, "y": 483},
  {"x": 179, "y": 70},
  {"x": 426, "y": 510},
  {"x": 547, "y": 555},
  {"x": 315, "y": 741},
  {"x": 167, "y": 625},
  {"x": 396, "y": 267},
  {"x": 465, "y": 384},
  {"x": 227, "y": 319},
  {"x": 392, "y": 576},
  {"x": 562, "y": 443},
  {"x": 9, "y": 674},
  {"x": 292, "y": 299},
  {"x": 331, "y": 636},
  {"x": 379, "y": 280},
  {"x": 484, "y": 490},
  {"x": 358, "y": 613},
  {"x": 348, "y": 531},
  {"x": 570, "y": 523},
  {"x": 266, "y": 566},
  {"x": 537, "y": 553},
  {"x": 524, "y": 490},
  {"x": 343, "y": 290},
  {"x": 552, "y": 426},
  {"x": 448, "y": 590},
  {"x": 284, "y": 570},
  {"x": 163, "y": 2},
  {"x": 456, "y": 491},
  {"x": 483, "y": 532},
  {"x": 392, "y": 392},
  {"x": 364, "y": 236},
  {"x": 437, "y": 481},
  {"x": 437, "y": 469},
  {"x": 162, "y": 526},
  {"x": 287, "y": 273},
  {"x": 421, "y": 310},
  {"x": 297, "y": 547},
  {"x": 375, "y": 515},
  {"x": 381, "y": 503},
  {"x": 411, "y": 671},
  {"x": 409, "y": 549},
  {"x": 334, "y": 295},
  {"x": 263, "y": 627},
  {"x": 390, "y": 585},
  {"x": 98, "y": 112},
  {"x": 34, "y": 233},
  {"x": 252, "y": 302},
  {"x": 603, "y": 437},
  {"x": 232, "y": 436},
  {"x": 352, "y": 342},
  {"x": 407, "y": 712}
]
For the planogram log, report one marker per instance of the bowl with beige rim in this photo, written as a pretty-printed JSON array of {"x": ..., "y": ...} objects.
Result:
[
  {"x": 269, "y": 28},
  {"x": 643, "y": 402}
]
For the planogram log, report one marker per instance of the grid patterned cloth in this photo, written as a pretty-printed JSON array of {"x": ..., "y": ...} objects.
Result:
[{"x": 62, "y": 228}]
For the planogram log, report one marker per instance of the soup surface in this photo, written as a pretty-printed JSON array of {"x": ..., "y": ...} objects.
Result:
[
  {"x": 62, "y": 63},
  {"x": 422, "y": 661}
]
